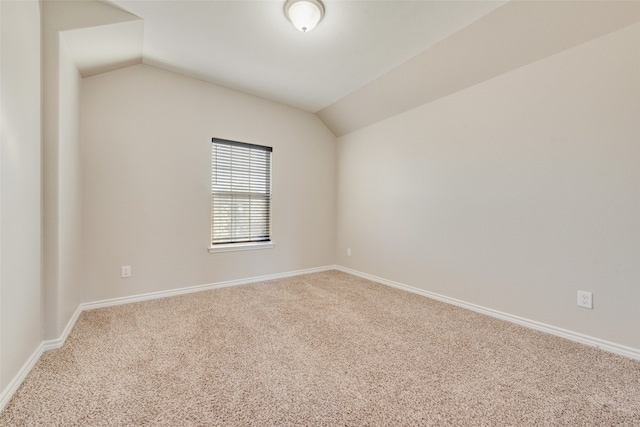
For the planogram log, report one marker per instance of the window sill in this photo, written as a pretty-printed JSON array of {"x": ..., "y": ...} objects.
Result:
[{"x": 233, "y": 247}]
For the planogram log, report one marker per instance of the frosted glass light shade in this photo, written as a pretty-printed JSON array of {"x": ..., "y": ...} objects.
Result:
[{"x": 304, "y": 14}]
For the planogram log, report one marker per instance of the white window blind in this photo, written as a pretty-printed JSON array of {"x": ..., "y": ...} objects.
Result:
[{"x": 240, "y": 192}]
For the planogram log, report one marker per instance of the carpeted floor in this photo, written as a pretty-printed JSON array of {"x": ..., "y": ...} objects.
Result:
[{"x": 325, "y": 349}]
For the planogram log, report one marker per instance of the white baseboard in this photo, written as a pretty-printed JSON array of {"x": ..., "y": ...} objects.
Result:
[
  {"x": 58, "y": 342},
  {"x": 199, "y": 288},
  {"x": 630, "y": 352},
  {"x": 7, "y": 393},
  {"x": 12, "y": 387}
]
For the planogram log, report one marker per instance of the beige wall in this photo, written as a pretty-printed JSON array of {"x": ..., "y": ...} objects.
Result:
[
  {"x": 20, "y": 178},
  {"x": 70, "y": 289},
  {"x": 146, "y": 136},
  {"x": 513, "y": 194},
  {"x": 62, "y": 222}
]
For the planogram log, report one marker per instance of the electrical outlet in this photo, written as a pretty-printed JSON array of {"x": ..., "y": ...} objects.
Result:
[
  {"x": 348, "y": 251},
  {"x": 126, "y": 271},
  {"x": 585, "y": 299}
]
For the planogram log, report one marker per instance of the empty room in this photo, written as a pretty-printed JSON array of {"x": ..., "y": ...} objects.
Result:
[{"x": 320, "y": 213}]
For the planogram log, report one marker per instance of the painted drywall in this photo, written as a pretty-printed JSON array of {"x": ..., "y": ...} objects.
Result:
[
  {"x": 69, "y": 250},
  {"x": 20, "y": 194},
  {"x": 62, "y": 220},
  {"x": 146, "y": 156},
  {"x": 512, "y": 194},
  {"x": 513, "y": 35},
  {"x": 63, "y": 24}
]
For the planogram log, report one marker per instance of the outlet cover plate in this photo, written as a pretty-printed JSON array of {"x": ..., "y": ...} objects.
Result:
[{"x": 585, "y": 299}]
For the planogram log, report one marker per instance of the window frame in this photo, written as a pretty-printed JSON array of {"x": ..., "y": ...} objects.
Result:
[{"x": 241, "y": 245}]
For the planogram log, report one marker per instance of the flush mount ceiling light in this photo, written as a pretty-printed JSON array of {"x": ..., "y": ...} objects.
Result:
[{"x": 304, "y": 14}]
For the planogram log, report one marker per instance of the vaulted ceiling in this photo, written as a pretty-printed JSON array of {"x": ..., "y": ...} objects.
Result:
[
  {"x": 367, "y": 60},
  {"x": 252, "y": 47}
]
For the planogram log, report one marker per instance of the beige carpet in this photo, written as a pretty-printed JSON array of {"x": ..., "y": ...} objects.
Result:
[{"x": 325, "y": 349}]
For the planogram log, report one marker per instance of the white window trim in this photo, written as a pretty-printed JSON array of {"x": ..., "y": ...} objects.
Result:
[
  {"x": 252, "y": 245},
  {"x": 233, "y": 247}
]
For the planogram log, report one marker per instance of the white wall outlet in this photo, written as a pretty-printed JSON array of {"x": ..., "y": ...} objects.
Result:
[
  {"x": 585, "y": 299},
  {"x": 348, "y": 251},
  {"x": 126, "y": 271}
]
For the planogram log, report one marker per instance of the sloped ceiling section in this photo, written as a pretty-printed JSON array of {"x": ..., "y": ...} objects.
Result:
[
  {"x": 99, "y": 37},
  {"x": 512, "y": 36},
  {"x": 488, "y": 41},
  {"x": 105, "y": 48},
  {"x": 250, "y": 46}
]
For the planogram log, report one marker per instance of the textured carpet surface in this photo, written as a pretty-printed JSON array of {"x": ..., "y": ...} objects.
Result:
[{"x": 325, "y": 349}]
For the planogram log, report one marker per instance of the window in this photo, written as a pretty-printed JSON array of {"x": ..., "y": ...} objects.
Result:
[{"x": 240, "y": 196}]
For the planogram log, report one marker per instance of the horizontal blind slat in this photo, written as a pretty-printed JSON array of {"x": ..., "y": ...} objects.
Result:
[{"x": 240, "y": 192}]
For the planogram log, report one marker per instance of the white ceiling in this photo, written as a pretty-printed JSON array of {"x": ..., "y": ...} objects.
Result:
[
  {"x": 251, "y": 46},
  {"x": 514, "y": 35},
  {"x": 366, "y": 61}
]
